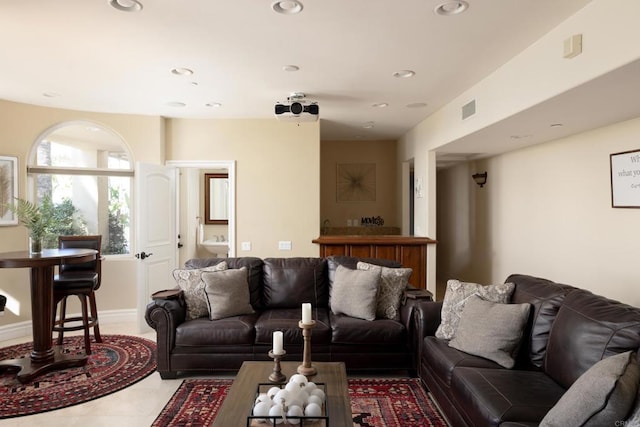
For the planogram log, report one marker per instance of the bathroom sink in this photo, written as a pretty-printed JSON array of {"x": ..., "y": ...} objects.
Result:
[{"x": 215, "y": 247}]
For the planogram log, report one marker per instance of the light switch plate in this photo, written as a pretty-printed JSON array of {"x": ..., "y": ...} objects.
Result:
[{"x": 284, "y": 245}]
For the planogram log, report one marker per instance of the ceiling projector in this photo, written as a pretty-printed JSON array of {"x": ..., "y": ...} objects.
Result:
[{"x": 297, "y": 110}]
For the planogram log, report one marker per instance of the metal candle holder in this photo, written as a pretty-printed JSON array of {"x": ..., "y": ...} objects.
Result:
[
  {"x": 306, "y": 368},
  {"x": 277, "y": 376}
]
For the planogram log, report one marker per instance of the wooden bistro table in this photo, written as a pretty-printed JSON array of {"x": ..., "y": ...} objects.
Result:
[
  {"x": 44, "y": 357},
  {"x": 239, "y": 401}
]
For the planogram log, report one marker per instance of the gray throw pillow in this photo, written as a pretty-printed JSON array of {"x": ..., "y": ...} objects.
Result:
[
  {"x": 190, "y": 281},
  {"x": 602, "y": 396},
  {"x": 393, "y": 282},
  {"x": 354, "y": 292},
  {"x": 491, "y": 330},
  {"x": 456, "y": 296},
  {"x": 227, "y": 293}
]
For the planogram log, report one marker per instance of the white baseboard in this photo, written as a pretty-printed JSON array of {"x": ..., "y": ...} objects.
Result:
[{"x": 23, "y": 329}]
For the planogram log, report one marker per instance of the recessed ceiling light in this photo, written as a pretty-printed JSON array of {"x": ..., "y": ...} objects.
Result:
[
  {"x": 194, "y": 83},
  {"x": 450, "y": 8},
  {"x": 368, "y": 125},
  {"x": 520, "y": 136},
  {"x": 176, "y": 104},
  {"x": 403, "y": 74},
  {"x": 290, "y": 68},
  {"x": 556, "y": 125},
  {"x": 417, "y": 105},
  {"x": 380, "y": 105},
  {"x": 51, "y": 94},
  {"x": 287, "y": 7},
  {"x": 181, "y": 71},
  {"x": 213, "y": 105},
  {"x": 126, "y": 5}
]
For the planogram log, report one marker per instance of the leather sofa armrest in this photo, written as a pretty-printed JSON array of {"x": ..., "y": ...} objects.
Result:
[
  {"x": 412, "y": 298},
  {"x": 164, "y": 315},
  {"x": 426, "y": 319}
]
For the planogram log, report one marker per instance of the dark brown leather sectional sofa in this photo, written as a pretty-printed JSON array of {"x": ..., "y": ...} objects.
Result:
[
  {"x": 278, "y": 287},
  {"x": 569, "y": 330}
]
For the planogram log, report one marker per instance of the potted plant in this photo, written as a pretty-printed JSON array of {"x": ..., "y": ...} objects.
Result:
[{"x": 36, "y": 222}]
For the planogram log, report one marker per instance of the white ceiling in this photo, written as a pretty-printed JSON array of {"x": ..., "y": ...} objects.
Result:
[{"x": 93, "y": 57}]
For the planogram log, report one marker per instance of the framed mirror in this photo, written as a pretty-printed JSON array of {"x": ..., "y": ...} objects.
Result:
[{"x": 216, "y": 198}]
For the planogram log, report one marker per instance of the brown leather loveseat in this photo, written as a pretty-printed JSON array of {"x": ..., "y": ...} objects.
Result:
[
  {"x": 568, "y": 331},
  {"x": 278, "y": 287}
]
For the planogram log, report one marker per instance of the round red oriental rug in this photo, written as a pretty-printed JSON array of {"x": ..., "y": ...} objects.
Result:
[{"x": 114, "y": 364}]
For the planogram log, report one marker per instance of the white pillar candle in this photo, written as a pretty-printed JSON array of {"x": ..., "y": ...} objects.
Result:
[
  {"x": 306, "y": 313},
  {"x": 277, "y": 343}
]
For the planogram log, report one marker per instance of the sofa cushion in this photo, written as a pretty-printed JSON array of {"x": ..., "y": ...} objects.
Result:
[
  {"x": 393, "y": 282},
  {"x": 601, "y": 396},
  {"x": 587, "y": 329},
  {"x": 456, "y": 296},
  {"x": 227, "y": 293},
  {"x": 442, "y": 359},
  {"x": 288, "y": 282},
  {"x": 354, "y": 293},
  {"x": 286, "y": 320},
  {"x": 254, "y": 273},
  {"x": 489, "y": 397},
  {"x": 351, "y": 330},
  {"x": 545, "y": 298},
  {"x": 190, "y": 281},
  {"x": 491, "y": 330},
  {"x": 231, "y": 331}
]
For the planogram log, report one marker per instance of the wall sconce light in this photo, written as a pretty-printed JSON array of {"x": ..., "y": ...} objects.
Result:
[{"x": 480, "y": 178}]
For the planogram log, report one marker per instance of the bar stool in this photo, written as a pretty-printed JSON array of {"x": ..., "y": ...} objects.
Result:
[{"x": 81, "y": 280}]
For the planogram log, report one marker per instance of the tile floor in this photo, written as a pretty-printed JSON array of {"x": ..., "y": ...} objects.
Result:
[{"x": 135, "y": 406}]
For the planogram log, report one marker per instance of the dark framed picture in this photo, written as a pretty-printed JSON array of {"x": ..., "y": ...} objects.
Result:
[
  {"x": 8, "y": 189},
  {"x": 625, "y": 179}
]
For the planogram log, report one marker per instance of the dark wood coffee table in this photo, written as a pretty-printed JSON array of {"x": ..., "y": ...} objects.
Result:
[{"x": 239, "y": 401}]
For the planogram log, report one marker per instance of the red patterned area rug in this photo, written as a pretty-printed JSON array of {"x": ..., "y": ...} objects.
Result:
[
  {"x": 114, "y": 364},
  {"x": 380, "y": 402}
]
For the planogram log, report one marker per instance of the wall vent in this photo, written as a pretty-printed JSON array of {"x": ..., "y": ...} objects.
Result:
[{"x": 468, "y": 109}]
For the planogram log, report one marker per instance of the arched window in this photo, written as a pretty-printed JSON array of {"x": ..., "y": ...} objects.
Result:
[{"x": 82, "y": 174}]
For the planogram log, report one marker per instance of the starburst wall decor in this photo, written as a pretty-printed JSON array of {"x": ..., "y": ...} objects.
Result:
[{"x": 356, "y": 182}]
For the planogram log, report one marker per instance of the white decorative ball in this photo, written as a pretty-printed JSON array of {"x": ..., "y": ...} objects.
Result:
[
  {"x": 318, "y": 392},
  {"x": 262, "y": 410},
  {"x": 310, "y": 386},
  {"x": 276, "y": 411},
  {"x": 294, "y": 411},
  {"x": 313, "y": 410},
  {"x": 315, "y": 399},
  {"x": 282, "y": 395},
  {"x": 272, "y": 392},
  {"x": 262, "y": 397},
  {"x": 298, "y": 378}
]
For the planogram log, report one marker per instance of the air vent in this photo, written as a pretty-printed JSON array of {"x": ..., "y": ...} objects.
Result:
[{"x": 468, "y": 109}]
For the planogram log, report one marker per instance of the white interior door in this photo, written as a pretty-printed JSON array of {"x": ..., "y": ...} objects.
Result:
[{"x": 156, "y": 232}]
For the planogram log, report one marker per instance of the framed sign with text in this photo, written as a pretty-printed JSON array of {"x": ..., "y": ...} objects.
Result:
[{"x": 625, "y": 179}]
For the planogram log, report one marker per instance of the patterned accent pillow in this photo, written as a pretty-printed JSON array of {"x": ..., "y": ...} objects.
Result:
[
  {"x": 190, "y": 281},
  {"x": 393, "y": 282},
  {"x": 354, "y": 292},
  {"x": 456, "y": 296}
]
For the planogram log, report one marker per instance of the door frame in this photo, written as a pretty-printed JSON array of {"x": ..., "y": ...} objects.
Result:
[{"x": 230, "y": 165}]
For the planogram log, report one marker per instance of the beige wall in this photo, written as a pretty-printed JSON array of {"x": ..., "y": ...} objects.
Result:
[
  {"x": 20, "y": 126},
  {"x": 277, "y": 172},
  {"x": 545, "y": 211},
  {"x": 380, "y": 153}
]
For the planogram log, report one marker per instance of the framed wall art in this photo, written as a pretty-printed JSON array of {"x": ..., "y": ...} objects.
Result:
[
  {"x": 8, "y": 189},
  {"x": 625, "y": 179},
  {"x": 356, "y": 182}
]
